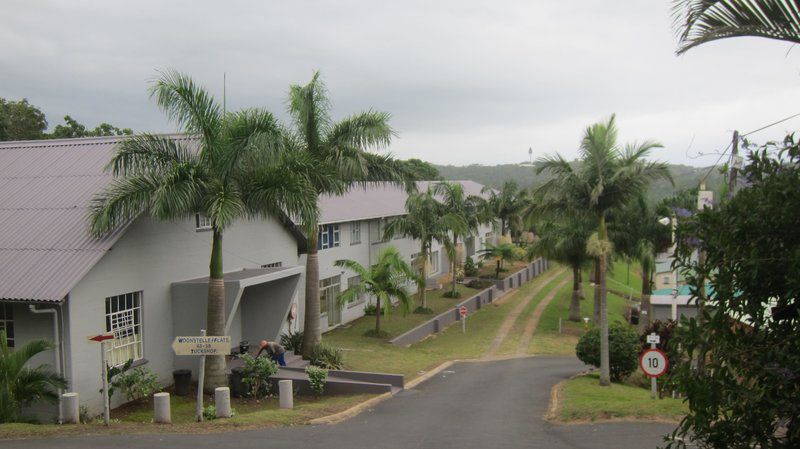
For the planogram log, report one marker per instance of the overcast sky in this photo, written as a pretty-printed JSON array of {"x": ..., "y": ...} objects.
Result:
[{"x": 465, "y": 81}]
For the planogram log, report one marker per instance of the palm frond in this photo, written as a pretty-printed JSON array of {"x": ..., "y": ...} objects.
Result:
[
  {"x": 121, "y": 202},
  {"x": 369, "y": 129},
  {"x": 187, "y": 104},
  {"x": 310, "y": 108},
  {"x": 148, "y": 153}
]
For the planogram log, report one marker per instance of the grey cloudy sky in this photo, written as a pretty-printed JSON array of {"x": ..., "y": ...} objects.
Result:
[{"x": 465, "y": 81}]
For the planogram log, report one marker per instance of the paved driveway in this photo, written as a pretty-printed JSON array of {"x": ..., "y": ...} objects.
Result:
[{"x": 472, "y": 405}]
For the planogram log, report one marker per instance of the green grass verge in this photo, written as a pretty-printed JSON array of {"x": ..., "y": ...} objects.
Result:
[{"x": 582, "y": 399}]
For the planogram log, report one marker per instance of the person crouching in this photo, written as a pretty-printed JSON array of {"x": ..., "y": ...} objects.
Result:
[{"x": 275, "y": 351}]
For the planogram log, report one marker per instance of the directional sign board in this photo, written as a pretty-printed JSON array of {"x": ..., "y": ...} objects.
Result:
[
  {"x": 102, "y": 337},
  {"x": 653, "y": 363},
  {"x": 463, "y": 311},
  {"x": 202, "y": 345},
  {"x": 654, "y": 338}
]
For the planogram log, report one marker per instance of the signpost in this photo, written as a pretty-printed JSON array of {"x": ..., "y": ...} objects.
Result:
[
  {"x": 653, "y": 362},
  {"x": 202, "y": 346},
  {"x": 463, "y": 311},
  {"x": 102, "y": 338}
]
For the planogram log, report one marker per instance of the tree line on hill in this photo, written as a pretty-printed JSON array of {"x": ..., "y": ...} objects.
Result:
[{"x": 21, "y": 120}]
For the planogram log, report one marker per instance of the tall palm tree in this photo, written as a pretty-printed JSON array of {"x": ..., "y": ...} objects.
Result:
[
  {"x": 341, "y": 162},
  {"x": 20, "y": 385},
  {"x": 508, "y": 206},
  {"x": 230, "y": 167},
  {"x": 425, "y": 221},
  {"x": 466, "y": 208},
  {"x": 563, "y": 238},
  {"x": 385, "y": 280},
  {"x": 609, "y": 176},
  {"x": 701, "y": 21}
]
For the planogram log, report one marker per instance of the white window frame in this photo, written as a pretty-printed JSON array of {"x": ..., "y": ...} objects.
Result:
[
  {"x": 6, "y": 319},
  {"x": 202, "y": 222},
  {"x": 128, "y": 342},
  {"x": 434, "y": 260},
  {"x": 330, "y": 284},
  {"x": 324, "y": 232},
  {"x": 351, "y": 281},
  {"x": 355, "y": 233},
  {"x": 337, "y": 241}
]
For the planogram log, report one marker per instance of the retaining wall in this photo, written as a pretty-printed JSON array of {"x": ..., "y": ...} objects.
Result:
[{"x": 473, "y": 304}]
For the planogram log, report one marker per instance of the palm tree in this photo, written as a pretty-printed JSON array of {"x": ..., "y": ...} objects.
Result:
[
  {"x": 563, "y": 238},
  {"x": 231, "y": 167},
  {"x": 341, "y": 162},
  {"x": 508, "y": 206},
  {"x": 501, "y": 253},
  {"x": 608, "y": 178},
  {"x": 425, "y": 221},
  {"x": 701, "y": 21},
  {"x": 466, "y": 208},
  {"x": 20, "y": 385},
  {"x": 385, "y": 280}
]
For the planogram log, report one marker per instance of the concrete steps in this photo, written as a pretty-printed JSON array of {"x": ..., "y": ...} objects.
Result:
[{"x": 344, "y": 382}]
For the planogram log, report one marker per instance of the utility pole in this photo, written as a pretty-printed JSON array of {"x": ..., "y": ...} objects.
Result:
[{"x": 734, "y": 165}]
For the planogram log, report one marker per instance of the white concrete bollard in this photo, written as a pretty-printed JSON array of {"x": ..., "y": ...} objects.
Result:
[
  {"x": 162, "y": 413},
  {"x": 70, "y": 408},
  {"x": 222, "y": 402},
  {"x": 285, "y": 389}
]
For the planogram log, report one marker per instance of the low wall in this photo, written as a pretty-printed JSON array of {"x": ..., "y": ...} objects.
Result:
[{"x": 473, "y": 304}]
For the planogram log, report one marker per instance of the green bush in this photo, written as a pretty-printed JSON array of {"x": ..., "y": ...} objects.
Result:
[
  {"x": 210, "y": 412},
  {"x": 372, "y": 309},
  {"x": 480, "y": 284},
  {"x": 470, "y": 270},
  {"x": 137, "y": 383},
  {"x": 623, "y": 350},
  {"x": 317, "y": 377},
  {"x": 326, "y": 357},
  {"x": 451, "y": 294},
  {"x": 423, "y": 310},
  {"x": 256, "y": 373},
  {"x": 293, "y": 341}
]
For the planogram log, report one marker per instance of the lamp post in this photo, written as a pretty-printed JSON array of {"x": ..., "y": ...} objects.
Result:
[{"x": 667, "y": 221}]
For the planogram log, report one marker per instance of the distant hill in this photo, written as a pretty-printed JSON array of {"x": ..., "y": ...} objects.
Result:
[{"x": 685, "y": 177}]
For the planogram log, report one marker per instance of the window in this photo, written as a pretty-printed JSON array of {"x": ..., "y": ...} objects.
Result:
[
  {"x": 124, "y": 319},
  {"x": 272, "y": 265},
  {"x": 355, "y": 233},
  {"x": 328, "y": 291},
  {"x": 434, "y": 262},
  {"x": 666, "y": 279},
  {"x": 377, "y": 231},
  {"x": 7, "y": 322},
  {"x": 202, "y": 222},
  {"x": 329, "y": 236},
  {"x": 351, "y": 282}
]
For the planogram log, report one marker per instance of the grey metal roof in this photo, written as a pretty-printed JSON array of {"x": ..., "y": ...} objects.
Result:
[{"x": 45, "y": 187}]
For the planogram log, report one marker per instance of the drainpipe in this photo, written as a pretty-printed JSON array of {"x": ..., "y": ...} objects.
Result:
[{"x": 57, "y": 347}]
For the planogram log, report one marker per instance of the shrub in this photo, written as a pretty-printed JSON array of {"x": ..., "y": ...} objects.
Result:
[
  {"x": 326, "y": 357},
  {"x": 210, "y": 412},
  {"x": 451, "y": 294},
  {"x": 480, "y": 284},
  {"x": 423, "y": 310},
  {"x": 371, "y": 309},
  {"x": 470, "y": 269},
  {"x": 316, "y": 378},
  {"x": 623, "y": 350},
  {"x": 112, "y": 373},
  {"x": 137, "y": 383},
  {"x": 256, "y": 373},
  {"x": 293, "y": 341}
]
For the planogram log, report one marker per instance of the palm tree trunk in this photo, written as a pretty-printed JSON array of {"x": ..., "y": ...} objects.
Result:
[
  {"x": 575, "y": 304},
  {"x": 215, "y": 325},
  {"x": 645, "y": 310},
  {"x": 311, "y": 327},
  {"x": 423, "y": 275},
  {"x": 455, "y": 262},
  {"x": 596, "y": 292},
  {"x": 605, "y": 372},
  {"x": 378, "y": 315},
  {"x": 581, "y": 295}
]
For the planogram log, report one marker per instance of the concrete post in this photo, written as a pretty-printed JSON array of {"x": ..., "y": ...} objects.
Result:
[
  {"x": 70, "y": 408},
  {"x": 285, "y": 390},
  {"x": 162, "y": 413},
  {"x": 222, "y": 402}
]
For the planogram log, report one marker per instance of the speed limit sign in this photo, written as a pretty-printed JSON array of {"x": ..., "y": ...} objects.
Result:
[{"x": 653, "y": 363}]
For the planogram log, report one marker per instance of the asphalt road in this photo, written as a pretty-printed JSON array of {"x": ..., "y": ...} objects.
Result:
[{"x": 496, "y": 404}]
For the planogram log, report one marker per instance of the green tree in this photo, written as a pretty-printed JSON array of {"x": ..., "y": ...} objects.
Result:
[
  {"x": 748, "y": 331},
  {"x": 425, "y": 221},
  {"x": 20, "y": 120},
  {"x": 607, "y": 179},
  {"x": 501, "y": 253},
  {"x": 508, "y": 206},
  {"x": 20, "y": 385},
  {"x": 72, "y": 129},
  {"x": 421, "y": 170},
  {"x": 466, "y": 208},
  {"x": 341, "y": 161},
  {"x": 385, "y": 280},
  {"x": 701, "y": 21},
  {"x": 237, "y": 171},
  {"x": 563, "y": 238}
]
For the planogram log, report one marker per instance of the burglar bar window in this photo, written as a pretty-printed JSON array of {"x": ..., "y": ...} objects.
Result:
[
  {"x": 202, "y": 222},
  {"x": 124, "y": 320},
  {"x": 7, "y": 322}
]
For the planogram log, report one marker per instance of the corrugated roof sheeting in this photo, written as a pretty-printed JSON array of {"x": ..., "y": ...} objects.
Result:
[{"x": 45, "y": 188}]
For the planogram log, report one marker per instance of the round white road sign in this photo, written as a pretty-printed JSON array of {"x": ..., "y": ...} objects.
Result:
[{"x": 653, "y": 363}]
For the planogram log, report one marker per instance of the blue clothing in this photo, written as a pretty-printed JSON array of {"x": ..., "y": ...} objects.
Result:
[{"x": 279, "y": 359}]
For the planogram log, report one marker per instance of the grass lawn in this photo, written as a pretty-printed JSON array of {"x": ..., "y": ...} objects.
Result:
[
  {"x": 137, "y": 417},
  {"x": 623, "y": 280},
  {"x": 372, "y": 354},
  {"x": 582, "y": 399}
]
